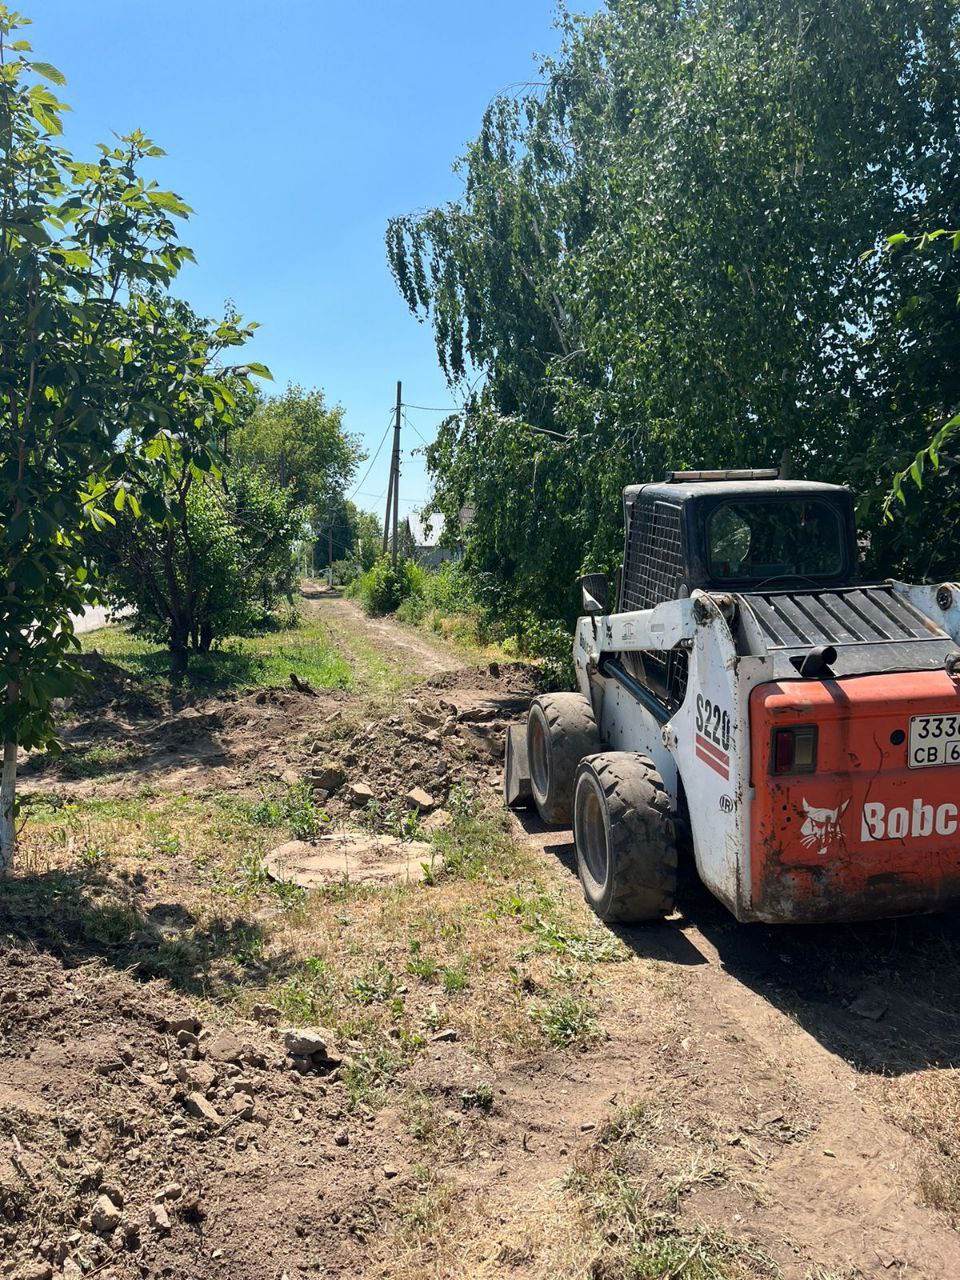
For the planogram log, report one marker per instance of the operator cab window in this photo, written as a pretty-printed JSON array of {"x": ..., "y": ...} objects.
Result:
[{"x": 760, "y": 541}]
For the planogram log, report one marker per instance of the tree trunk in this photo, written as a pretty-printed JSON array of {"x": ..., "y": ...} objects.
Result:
[
  {"x": 8, "y": 796},
  {"x": 179, "y": 649},
  {"x": 178, "y": 663}
]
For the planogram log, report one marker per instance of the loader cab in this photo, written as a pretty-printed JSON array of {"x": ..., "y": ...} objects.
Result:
[{"x": 738, "y": 531}]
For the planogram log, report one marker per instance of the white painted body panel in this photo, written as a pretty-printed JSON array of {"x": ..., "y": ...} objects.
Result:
[
  {"x": 924, "y": 598},
  {"x": 704, "y": 747}
]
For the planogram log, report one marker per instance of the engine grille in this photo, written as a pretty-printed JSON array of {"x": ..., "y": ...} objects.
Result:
[{"x": 849, "y": 615}]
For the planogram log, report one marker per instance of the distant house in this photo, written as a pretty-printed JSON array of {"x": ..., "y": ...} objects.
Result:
[{"x": 422, "y": 536}]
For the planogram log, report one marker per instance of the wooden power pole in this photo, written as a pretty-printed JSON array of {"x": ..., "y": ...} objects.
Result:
[{"x": 391, "y": 516}]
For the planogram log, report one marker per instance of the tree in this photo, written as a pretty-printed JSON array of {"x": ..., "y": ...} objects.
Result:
[
  {"x": 301, "y": 444},
  {"x": 355, "y": 535},
  {"x": 84, "y": 380},
  {"x": 204, "y": 551},
  {"x": 212, "y": 567},
  {"x": 657, "y": 262},
  {"x": 924, "y": 329}
]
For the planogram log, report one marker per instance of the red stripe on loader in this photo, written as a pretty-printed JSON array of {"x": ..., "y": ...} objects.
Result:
[
  {"x": 712, "y": 749},
  {"x": 718, "y": 766}
]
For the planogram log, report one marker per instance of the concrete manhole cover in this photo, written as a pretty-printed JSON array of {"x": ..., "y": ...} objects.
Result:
[{"x": 354, "y": 856}]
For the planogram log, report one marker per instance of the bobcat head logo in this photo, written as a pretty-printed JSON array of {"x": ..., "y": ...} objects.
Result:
[{"x": 821, "y": 827}]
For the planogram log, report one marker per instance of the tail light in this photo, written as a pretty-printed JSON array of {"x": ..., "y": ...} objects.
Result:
[{"x": 794, "y": 750}]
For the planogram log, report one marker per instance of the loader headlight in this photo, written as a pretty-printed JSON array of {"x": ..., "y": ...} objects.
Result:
[{"x": 794, "y": 750}]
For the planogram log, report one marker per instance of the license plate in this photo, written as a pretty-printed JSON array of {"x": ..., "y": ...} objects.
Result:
[{"x": 934, "y": 740}]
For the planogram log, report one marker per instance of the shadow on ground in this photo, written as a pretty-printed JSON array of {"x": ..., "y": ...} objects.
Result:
[
  {"x": 79, "y": 916},
  {"x": 884, "y": 995}
]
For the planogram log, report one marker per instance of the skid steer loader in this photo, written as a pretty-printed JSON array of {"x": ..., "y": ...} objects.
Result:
[{"x": 800, "y": 729}]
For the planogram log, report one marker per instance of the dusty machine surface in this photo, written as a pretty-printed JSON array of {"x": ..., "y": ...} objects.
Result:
[{"x": 800, "y": 729}]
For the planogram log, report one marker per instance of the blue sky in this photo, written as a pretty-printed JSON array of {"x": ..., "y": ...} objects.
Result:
[{"x": 295, "y": 129}]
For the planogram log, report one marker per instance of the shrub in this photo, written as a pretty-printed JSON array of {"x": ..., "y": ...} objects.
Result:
[
  {"x": 345, "y": 572},
  {"x": 552, "y": 643},
  {"x": 384, "y": 587}
]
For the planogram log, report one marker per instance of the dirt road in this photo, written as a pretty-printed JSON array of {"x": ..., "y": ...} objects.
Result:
[
  {"x": 520, "y": 1091},
  {"x": 788, "y": 1043},
  {"x": 403, "y": 651}
]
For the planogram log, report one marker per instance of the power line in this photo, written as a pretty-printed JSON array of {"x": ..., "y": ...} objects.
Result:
[
  {"x": 414, "y": 430},
  {"x": 430, "y": 408},
  {"x": 543, "y": 431},
  {"x": 380, "y": 496},
  {"x": 372, "y": 461}
]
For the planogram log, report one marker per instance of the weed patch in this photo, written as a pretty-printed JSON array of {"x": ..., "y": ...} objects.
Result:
[
  {"x": 566, "y": 1021},
  {"x": 619, "y": 1198}
]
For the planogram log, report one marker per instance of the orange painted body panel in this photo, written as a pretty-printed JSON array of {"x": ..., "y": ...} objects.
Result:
[{"x": 865, "y": 835}]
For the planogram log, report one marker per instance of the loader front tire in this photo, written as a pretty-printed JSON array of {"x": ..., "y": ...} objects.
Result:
[
  {"x": 625, "y": 838},
  {"x": 561, "y": 730}
]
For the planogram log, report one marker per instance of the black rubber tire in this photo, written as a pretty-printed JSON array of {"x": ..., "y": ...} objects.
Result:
[
  {"x": 625, "y": 838},
  {"x": 561, "y": 730}
]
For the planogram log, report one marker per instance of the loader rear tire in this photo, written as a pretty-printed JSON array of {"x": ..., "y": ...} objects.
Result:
[
  {"x": 561, "y": 730},
  {"x": 625, "y": 838}
]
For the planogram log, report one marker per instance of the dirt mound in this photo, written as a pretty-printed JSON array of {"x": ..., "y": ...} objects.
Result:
[
  {"x": 146, "y": 1144},
  {"x": 111, "y": 686},
  {"x": 448, "y": 733},
  {"x": 234, "y": 739}
]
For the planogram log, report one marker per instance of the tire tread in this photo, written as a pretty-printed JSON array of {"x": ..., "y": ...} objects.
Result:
[
  {"x": 642, "y": 837},
  {"x": 573, "y": 734}
]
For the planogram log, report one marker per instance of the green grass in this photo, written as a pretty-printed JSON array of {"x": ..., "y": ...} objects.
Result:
[
  {"x": 97, "y": 761},
  {"x": 566, "y": 1021},
  {"x": 247, "y": 663}
]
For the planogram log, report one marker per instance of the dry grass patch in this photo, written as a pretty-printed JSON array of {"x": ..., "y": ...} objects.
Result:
[
  {"x": 635, "y": 1216},
  {"x": 486, "y": 954},
  {"x": 927, "y": 1105},
  {"x": 175, "y": 887}
]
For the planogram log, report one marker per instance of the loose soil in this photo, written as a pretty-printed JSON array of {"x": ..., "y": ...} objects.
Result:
[{"x": 717, "y": 1100}]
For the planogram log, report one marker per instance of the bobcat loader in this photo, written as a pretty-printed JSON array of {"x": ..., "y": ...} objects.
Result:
[{"x": 801, "y": 730}]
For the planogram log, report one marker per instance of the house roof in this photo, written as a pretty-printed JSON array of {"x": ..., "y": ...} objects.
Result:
[{"x": 425, "y": 531}]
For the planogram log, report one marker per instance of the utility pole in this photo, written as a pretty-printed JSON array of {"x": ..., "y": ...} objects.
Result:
[
  {"x": 330, "y": 554},
  {"x": 396, "y": 475},
  {"x": 386, "y": 517},
  {"x": 393, "y": 488}
]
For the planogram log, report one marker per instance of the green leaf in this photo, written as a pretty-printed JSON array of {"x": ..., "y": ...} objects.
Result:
[
  {"x": 100, "y": 518},
  {"x": 170, "y": 202},
  {"x": 73, "y": 257},
  {"x": 47, "y": 119},
  {"x": 19, "y": 528},
  {"x": 48, "y": 72}
]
